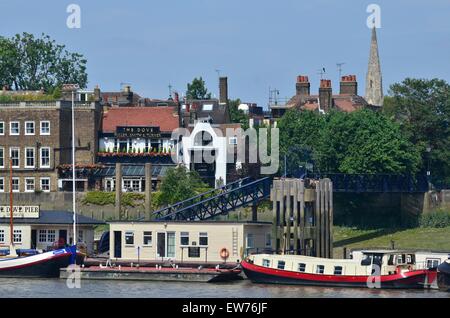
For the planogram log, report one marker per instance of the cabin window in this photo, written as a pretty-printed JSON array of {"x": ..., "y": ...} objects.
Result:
[
  {"x": 17, "y": 236},
  {"x": 367, "y": 260},
  {"x": 433, "y": 263},
  {"x": 320, "y": 269},
  {"x": 203, "y": 238},
  {"x": 266, "y": 263},
  {"x": 184, "y": 238},
  {"x": 147, "y": 238},
  {"x": 281, "y": 264},
  {"x": 338, "y": 270},
  {"x": 302, "y": 267},
  {"x": 129, "y": 238}
]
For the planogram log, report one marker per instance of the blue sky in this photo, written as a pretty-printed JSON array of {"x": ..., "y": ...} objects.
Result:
[{"x": 256, "y": 43}]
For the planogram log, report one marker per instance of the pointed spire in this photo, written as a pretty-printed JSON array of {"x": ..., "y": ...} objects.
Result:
[{"x": 374, "y": 82}]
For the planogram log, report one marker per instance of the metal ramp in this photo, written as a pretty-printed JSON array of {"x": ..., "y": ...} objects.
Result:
[{"x": 217, "y": 202}]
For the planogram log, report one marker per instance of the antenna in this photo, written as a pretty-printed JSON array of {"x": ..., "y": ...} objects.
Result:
[
  {"x": 339, "y": 67},
  {"x": 170, "y": 90},
  {"x": 322, "y": 72}
]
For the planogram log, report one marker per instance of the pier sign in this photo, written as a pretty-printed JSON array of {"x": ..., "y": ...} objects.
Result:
[
  {"x": 137, "y": 132},
  {"x": 20, "y": 212}
]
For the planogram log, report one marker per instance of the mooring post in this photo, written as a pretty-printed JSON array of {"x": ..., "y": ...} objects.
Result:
[
  {"x": 148, "y": 190},
  {"x": 118, "y": 184}
]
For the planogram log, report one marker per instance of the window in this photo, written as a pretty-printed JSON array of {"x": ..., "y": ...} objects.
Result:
[
  {"x": 42, "y": 236},
  {"x": 2, "y": 236},
  {"x": 29, "y": 128},
  {"x": 51, "y": 236},
  {"x": 281, "y": 264},
  {"x": 14, "y": 154},
  {"x": 203, "y": 239},
  {"x": 194, "y": 252},
  {"x": 208, "y": 107},
  {"x": 338, "y": 270},
  {"x": 45, "y": 128},
  {"x": 29, "y": 185},
  {"x": 266, "y": 263},
  {"x": 2, "y": 157},
  {"x": 432, "y": 263},
  {"x": 320, "y": 269},
  {"x": 129, "y": 238},
  {"x": 184, "y": 238},
  {"x": 45, "y": 184},
  {"x": 14, "y": 128},
  {"x": 17, "y": 236},
  {"x": 148, "y": 238},
  {"x": 2, "y": 128},
  {"x": 250, "y": 241},
  {"x": 233, "y": 141},
  {"x": 45, "y": 157},
  {"x": 80, "y": 237},
  {"x": 2, "y": 184},
  {"x": 268, "y": 240},
  {"x": 302, "y": 267},
  {"x": 29, "y": 157},
  {"x": 15, "y": 184}
]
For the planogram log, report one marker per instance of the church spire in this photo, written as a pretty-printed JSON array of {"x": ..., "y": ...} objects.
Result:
[{"x": 374, "y": 83}]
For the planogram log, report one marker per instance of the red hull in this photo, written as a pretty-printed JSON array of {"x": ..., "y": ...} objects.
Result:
[{"x": 260, "y": 274}]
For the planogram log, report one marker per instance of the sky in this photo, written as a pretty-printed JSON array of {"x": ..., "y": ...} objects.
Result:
[{"x": 258, "y": 44}]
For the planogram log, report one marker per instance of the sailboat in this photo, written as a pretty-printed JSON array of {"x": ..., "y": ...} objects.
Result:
[{"x": 47, "y": 264}]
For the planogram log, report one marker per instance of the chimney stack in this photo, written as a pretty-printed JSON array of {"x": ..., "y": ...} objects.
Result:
[
  {"x": 97, "y": 94},
  {"x": 127, "y": 94},
  {"x": 325, "y": 95},
  {"x": 302, "y": 86},
  {"x": 349, "y": 85},
  {"x": 223, "y": 90}
]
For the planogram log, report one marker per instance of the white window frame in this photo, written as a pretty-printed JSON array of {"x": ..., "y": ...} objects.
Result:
[
  {"x": 26, "y": 184},
  {"x": 2, "y": 184},
  {"x": 129, "y": 233},
  {"x": 40, "y": 128},
  {"x": 26, "y": 128},
  {"x": 26, "y": 157},
  {"x": 49, "y": 184},
  {"x": 18, "y": 184},
  {"x": 2, "y": 157},
  {"x": 2, "y": 128},
  {"x": 49, "y": 157},
  {"x": 18, "y": 156},
  {"x": 184, "y": 235},
  {"x": 42, "y": 233},
  {"x": 202, "y": 235},
  {"x": 10, "y": 128},
  {"x": 144, "y": 235}
]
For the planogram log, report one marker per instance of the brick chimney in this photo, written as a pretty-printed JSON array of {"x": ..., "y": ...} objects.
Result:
[
  {"x": 325, "y": 95},
  {"x": 302, "y": 86},
  {"x": 97, "y": 94},
  {"x": 349, "y": 85},
  {"x": 223, "y": 90}
]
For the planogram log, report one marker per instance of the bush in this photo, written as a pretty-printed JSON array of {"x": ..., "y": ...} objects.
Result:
[
  {"x": 435, "y": 219},
  {"x": 105, "y": 198}
]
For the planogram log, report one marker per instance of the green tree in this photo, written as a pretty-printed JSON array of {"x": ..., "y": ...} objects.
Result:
[
  {"x": 422, "y": 108},
  {"x": 29, "y": 63},
  {"x": 180, "y": 184},
  {"x": 237, "y": 115},
  {"x": 197, "y": 90}
]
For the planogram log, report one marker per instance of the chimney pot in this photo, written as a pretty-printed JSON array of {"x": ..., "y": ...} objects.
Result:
[
  {"x": 349, "y": 85},
  {"x": 302, "y": 86}
]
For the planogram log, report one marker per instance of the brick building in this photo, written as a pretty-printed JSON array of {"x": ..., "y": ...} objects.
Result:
[{"x": 36, "y": 137}]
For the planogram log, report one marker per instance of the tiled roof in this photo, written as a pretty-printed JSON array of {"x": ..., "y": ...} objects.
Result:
[
  {"x": 166, "y": 118},
  {"x": 342, "y": 102}
]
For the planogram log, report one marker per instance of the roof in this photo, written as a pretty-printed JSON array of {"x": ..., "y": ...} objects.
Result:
[
  {"x": 194, "y": 222},
  {"x": 218, "y": 113},
  {"x": 132, "y": 171},
  {"x": 343, "y": 102},
  {"x": 166, "y": 118},
  {"x": 54, "y": 217}
]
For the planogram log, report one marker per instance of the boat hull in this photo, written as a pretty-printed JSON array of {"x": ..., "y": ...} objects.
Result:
[
  {"x": 259, "y": 274},
  {"x": 444, "y": 276},
  {"x": 46, "y": 265}
]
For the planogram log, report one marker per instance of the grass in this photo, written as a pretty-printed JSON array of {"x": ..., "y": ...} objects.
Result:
[{"x": 436, "y": 239}]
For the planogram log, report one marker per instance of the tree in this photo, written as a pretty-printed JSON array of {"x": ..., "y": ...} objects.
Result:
[
  {"x": 180, "y": 184},
  {"x": 29, "y": 63},
  {"x": 197, "y": 90},
  {"x": 422, "y": 108},
  {"x": 237, "y": 115}
]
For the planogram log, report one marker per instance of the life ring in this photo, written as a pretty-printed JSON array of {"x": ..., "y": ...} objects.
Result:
[{"x": 224, "y": 254}]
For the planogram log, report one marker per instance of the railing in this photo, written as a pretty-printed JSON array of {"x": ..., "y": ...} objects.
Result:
[{"x": 198, "y": 198}]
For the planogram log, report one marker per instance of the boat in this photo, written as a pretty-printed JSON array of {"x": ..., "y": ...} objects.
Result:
[
  {"x": 377, "y": 269},
  {"x": 444, "y": 276}
]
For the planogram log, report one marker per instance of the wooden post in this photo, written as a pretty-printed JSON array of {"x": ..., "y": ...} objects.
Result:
[
  {"x": 317, "y": 222},
  {"x": 287, "y": 215},
  {"x": 254, "y": 212},
  {"x": 274, "y": 194},
  {"x": 302, "y": 217},
  {"x": 331, "y": 217},
  {"x": 295, "y": 215},
  {"x": 282, "y": 211},
  {"x": 118, "y": 202},
  {"x": 326, "y": 219},
  {"x": 148, "y": 190}
]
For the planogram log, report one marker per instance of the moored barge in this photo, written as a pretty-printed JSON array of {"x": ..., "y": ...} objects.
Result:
[
  {"x": 376, "y": 270},
  {"x": 444, "y": 276}
]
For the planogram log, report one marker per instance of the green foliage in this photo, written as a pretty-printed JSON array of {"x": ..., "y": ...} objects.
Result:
[
  {"x": 359, "y": 142},
  {"x": 237, "y": 115},
  {"x": 422, "y": 108},
  {"x": 29, "y": 63},
  {"x": 105, "y": 198},
  {"x": 197, "y": 90},
  {"x": 180, "y": 184},
  {"x": 436, "y": 219}
]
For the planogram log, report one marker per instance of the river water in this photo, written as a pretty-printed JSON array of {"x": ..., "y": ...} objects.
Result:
[{"x": 48, "y": 288}]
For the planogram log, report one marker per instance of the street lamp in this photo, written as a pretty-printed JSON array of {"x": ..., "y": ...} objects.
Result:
[{"x": 73, "y": 88}]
